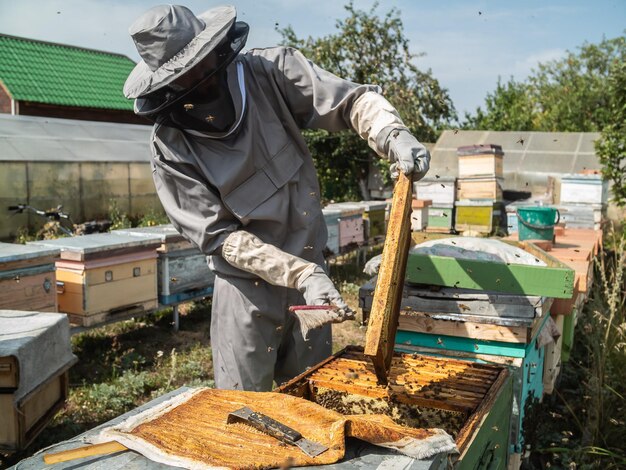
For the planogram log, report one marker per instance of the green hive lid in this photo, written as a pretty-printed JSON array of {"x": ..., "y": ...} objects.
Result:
[{"x": 59, "y": 74}]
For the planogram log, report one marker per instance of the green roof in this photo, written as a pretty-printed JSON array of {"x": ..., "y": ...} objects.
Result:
[{"x": 44, "y": 72}]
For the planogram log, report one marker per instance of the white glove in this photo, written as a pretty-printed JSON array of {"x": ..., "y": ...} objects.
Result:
[
  {"x": 318, "y": 289},
  {"x": 247, "y": 252},
  {"x": 405, "y": 153}
]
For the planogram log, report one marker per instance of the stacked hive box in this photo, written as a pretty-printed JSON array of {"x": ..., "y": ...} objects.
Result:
[
  {"x": 373, "y": 220},
  {"x": 577, "y": 249},
  {"x": 489, "y": 313},
  {"x": 104, "y": 275},
  {"x": 35, "y": 355},
  {"x": 331, "y": 218},
  {"x": 441, "y": 192},
  {"x": 419, "y": 214},
  {"x": 182, "y": 269},
  {"x": 350, "y": 231},
  {"x": 583, "y": 199},
  {"x": 27, "y": 277},
  {"x": 479, "y": 205}
]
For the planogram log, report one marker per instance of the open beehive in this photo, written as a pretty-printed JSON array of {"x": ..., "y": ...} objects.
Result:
[
  {"x": 471, "y": 401},
  {"x": 422, "y": 391}
]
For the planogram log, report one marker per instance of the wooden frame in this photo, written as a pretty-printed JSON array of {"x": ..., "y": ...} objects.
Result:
[
  {"x": 379, "y": 341},
  {"x": 473, "y": 425}
]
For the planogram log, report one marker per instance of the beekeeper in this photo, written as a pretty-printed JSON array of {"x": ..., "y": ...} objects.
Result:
[{"x": 235, "y": 177}]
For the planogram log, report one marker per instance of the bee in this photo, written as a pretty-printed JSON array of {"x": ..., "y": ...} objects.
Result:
[{"x": 520, "y": 141}]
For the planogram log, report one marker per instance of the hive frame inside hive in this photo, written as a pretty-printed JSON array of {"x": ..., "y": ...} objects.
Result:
[{"x": 301, "y": 386}]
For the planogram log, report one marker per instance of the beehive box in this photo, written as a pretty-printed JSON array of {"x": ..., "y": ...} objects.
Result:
[
  {"x": 182, "y": 269},
  {"x": 27, "y": 277},
  {"x": 419, "y": 214},
  {"x": 441, "y": 218},
  {"x": 553, "y": 280},
  {"x": 331, "y": 218},
  {"x": 583, "y": 189},
  {"x": 480, "y": 160},
  {"x": 480, "y": 188},
  {"x": 33, "y": 386},
  {"x": 493, "y": 316},
  {"x": 525, "y": 361},
  {"x": 441, "y": 191},
  {"x": 478, "y": 216},
  {"x": 582, "y": 216},
  {"x": 101, "y": 275},
  {"x": 351, "y": 232},
  {"x": 374, "y": 219},
  {"x": 470, "y": 401}
]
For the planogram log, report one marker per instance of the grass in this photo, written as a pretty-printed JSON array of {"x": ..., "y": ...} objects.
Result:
[{"x": 583, "y": 425}]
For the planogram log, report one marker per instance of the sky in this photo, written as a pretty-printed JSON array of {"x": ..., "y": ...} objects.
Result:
[{"x": 467, "y": 44}]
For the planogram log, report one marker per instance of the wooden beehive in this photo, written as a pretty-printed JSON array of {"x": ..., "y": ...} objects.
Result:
[
  {"x": 441, "y": 191},
  {"x": 468, "y": 400},
  {"x": 480, "y": 160},
  {"x": 374, "y": 219},
  {"x": 478, "y": 216},
  {"x": 27, "y": 277},
  {"x": 583, "y": 189},
  {"x": 419, "y": 214},
  {"x": 35, "y": 356},
  {"x": 182, "y": 269},
  {"x": 441, "y": 218},
  {"x": 101, "y": 275},
  {"x": 351, "y": 232},
  {"x": 24, "y": 420},
  {"x": 480, "y": 188},
  {"x": 331, "y": 218}
]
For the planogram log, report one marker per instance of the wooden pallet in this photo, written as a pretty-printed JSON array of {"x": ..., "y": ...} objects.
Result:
[{"x": 109, "y": 316}]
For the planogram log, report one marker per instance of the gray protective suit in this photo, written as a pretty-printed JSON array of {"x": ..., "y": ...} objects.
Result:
[{"x": 259, "y": 176}]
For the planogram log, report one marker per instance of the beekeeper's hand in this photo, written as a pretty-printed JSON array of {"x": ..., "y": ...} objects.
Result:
[
  {"x": 406, "y": 154},
  {"x": 318, "y": 289}
]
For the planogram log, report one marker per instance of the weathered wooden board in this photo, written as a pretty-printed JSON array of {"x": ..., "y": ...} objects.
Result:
[
  {"x": 469, "y": 345},
  {"x": 479, "y": 188},
  {"x": 552, "y": 362},
  {"x": 31, "y": 289},
  {"x": 379, "y": 341},
  {"x": 480, "y": 165},
  {"x": 422, "y": 323}
]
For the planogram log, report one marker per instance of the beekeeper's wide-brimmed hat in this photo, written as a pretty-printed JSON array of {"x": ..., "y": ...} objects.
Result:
[{"x": 171, "y": 40}]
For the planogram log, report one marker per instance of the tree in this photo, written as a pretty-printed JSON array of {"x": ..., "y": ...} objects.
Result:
[
  {"x": 509, "y": 107},
  {"x": 583, "y": 92},
  {"x": 370, "y": 49},
  {"x": 611, "y": 146},
  {"x": 568, "y": 94}
]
